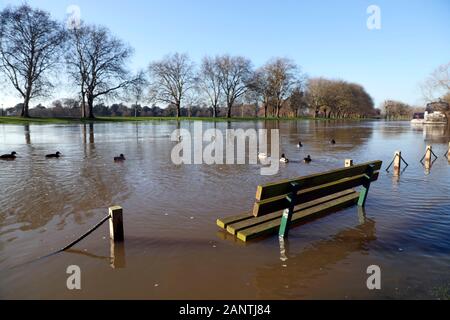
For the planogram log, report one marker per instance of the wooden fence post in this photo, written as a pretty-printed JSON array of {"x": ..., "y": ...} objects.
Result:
[
  {"x": 397, "y": 163},
  {"x": 428, "y": 154},
  {"x": 448, "y": 152},
  {"x": 116, "y": 224},
  {"x": 348, "y": 163}
]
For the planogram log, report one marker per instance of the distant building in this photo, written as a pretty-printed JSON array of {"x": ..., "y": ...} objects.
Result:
[
  {"x": 436, "y": 112},
  {"x": 438, "y": 106}
]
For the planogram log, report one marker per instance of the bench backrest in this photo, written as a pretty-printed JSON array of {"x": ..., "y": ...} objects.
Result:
[{"x": 272, "y": 197}]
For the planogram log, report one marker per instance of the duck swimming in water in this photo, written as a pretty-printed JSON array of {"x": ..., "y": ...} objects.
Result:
[
  {"x": 284, "y": 159},
  {"x": 307, "y": 159},
  {"x": 10, "y": 156},
  {"x": 299, "y": 145},
  {"x": 120, "y": 158},
  {"x": 54, "y": 155}
]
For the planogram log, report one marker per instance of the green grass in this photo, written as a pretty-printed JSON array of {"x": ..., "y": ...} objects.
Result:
[{"x": 20, "y": 120}]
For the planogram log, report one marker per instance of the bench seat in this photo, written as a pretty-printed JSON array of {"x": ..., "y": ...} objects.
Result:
[
  {"x": 246, "y": 227},
  {"x": 290, "y": 202}
]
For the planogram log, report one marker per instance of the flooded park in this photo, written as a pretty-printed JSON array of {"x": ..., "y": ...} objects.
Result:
[{"x": 173, "y": 248}]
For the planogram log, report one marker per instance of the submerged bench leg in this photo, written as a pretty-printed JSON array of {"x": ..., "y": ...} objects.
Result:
[
  {"x": 285, "y": 222},
  {"x": 287, "y": 213},
  {"x": 366, "y": 186}
]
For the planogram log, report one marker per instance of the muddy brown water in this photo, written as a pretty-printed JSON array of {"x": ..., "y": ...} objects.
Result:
[{"x": 173, "y": 249}]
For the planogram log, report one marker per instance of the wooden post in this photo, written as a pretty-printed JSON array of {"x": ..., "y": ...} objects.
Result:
[
  {"x": 348, "y": 163},
  {"x": 397, "y": 163},
  {"x": 287, "y": 213},
  {"x": 116, "y": 224},
  {"x": 365, "y": 188},
  {"x": 428, "y": 154},
  {"x": 448, "y": 152}
]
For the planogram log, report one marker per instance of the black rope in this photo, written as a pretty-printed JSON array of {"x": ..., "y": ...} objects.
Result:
[
  {"x": 84, "y": 235},
  {"x": 70, "y": 245},
  {"x": 435, "y": 156},
  {"x": 407, "y": 165},
  {"x": 387, "y": 169},
  {"x": 401, "y": 159}
]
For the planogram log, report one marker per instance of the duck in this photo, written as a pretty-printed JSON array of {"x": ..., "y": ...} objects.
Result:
[
  {"x": 10, "y": 156},
  {"x": 54, "y": 155},
  {"x": 284, "y": 159},
  {"x": 262, "y": 156},
  {"x": 120, "y": 158},
  {"x": 333, "y": 141},
  {"x": 299, "y": 145},
  {"x": 307, "y": 159}
]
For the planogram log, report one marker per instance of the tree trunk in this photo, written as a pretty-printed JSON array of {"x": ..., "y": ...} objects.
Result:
[
  {"x": 316, "y": 112},
  {"x": 25, "y": 108},
  {"x": 215, "y": 111},
  {"x": 266, "y": 105},
  {"x": 91, "y": 107},
  {"x": 178, "y": 110},
  {"x": 229, "y": 110}
]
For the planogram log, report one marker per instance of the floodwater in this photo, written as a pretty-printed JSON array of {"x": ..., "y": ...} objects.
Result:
[{"x": 173, "y": 248}]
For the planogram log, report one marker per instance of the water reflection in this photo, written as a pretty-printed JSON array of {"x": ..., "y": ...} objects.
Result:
[
  {"x": 117, "y": 255},
  {"x": 116, "y": 259},
  {"x": 284, "y": 242},
  {"x": 27, "y": 134},
  {"x": 297, "y": 270}
]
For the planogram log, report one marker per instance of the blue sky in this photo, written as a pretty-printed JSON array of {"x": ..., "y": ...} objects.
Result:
[{"x": 326, "y": 38}]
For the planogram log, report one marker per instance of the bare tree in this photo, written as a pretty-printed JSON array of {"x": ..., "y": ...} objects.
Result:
[
  {"x": 209, "y": 82},
  {"x": 137, "y": 89},
  {"x": 235, "y": 73},
  {"x": 297, "y": 100},
  {"x": 437, "y": 84},
  {"x": 170, "y": 79},
  {"x": 283, "y": 76},
  {"x": 259, "y": 84},
  {"x": 30, "y": 47},
  {"x": 97, "y": 63}
]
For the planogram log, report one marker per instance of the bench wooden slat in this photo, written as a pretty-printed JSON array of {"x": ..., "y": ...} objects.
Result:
[
  {"x": 283, "y": 187},
  {"x": 279, "y": 203},
  {"x": 300, "y": 216},
  {"x": 233, "y": 228},
  {"x": 224, "y": 222}
]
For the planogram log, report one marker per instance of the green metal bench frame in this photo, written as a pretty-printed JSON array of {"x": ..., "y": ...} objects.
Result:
[{"x": 281, "y": 204}]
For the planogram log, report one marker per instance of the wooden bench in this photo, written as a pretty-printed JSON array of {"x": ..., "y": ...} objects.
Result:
[{"x": 280, "y": 204}]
